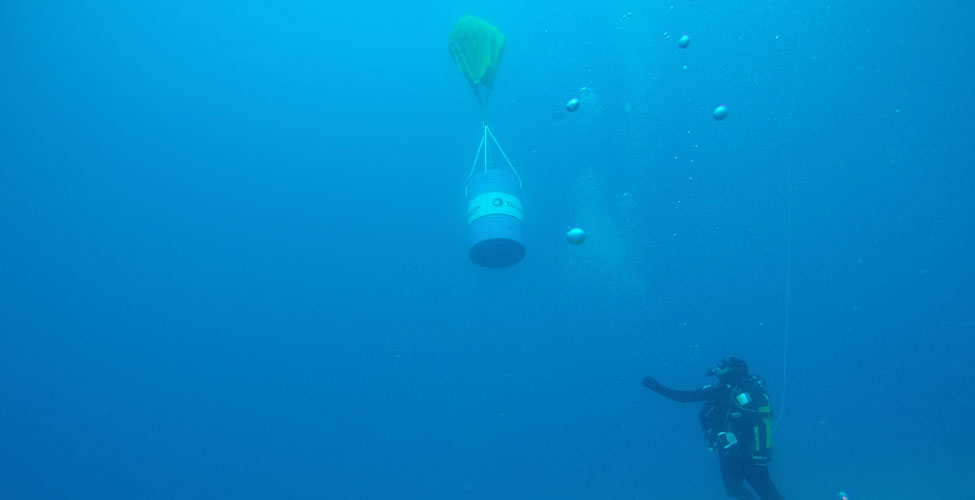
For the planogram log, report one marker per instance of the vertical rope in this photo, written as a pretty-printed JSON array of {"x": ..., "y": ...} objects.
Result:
[{"x": 788, "y": 237}]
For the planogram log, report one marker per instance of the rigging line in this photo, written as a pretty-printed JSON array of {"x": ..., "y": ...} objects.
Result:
[
  {"x": 474, "y": 165},
  {"x": 512, "y": 167},
  {"x": 486, "y": 146},
  {"x": 476, "y": 156}
]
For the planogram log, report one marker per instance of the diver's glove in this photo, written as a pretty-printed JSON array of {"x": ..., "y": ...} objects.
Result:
[{"x": 651, "y": 383}]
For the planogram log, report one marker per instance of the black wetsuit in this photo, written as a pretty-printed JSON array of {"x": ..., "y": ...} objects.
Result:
[{"x": 747, "y": 417}]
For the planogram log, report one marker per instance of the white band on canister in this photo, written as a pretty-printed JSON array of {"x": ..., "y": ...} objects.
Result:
[{"x": 491, "y": 203}]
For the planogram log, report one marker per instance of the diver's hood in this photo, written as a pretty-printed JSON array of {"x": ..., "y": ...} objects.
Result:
[{"x": 728, "y": 370}]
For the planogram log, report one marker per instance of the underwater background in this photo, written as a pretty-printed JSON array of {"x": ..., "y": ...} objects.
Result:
[{"x": 233, "y": 255}]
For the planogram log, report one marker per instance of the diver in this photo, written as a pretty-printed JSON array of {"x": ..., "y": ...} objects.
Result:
[{"x": 736, "y": 419}]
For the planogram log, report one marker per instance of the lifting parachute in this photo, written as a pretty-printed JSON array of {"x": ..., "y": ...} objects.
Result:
[
  {"x": 494, "y": 213},
  {"x": 476, "y": 48}
]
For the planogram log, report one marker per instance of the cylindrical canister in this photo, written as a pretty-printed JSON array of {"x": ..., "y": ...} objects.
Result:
[{"x": 494, "y": 218}]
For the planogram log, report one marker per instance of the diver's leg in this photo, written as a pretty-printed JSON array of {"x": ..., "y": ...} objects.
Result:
[
  {"x": 761, "y": 481},
  {"x": 733, "y": 475}
]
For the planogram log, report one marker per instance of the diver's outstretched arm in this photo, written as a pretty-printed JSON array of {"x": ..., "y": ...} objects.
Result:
[{"x": 675, "y": 394}]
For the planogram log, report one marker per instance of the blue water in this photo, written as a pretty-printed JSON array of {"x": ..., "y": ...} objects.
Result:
[{"x": 233, "y": 256}]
